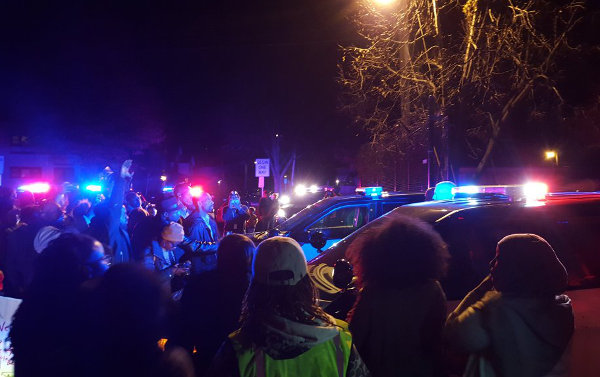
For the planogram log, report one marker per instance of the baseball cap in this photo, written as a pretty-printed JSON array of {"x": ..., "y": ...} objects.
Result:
[
  {"x": 279, "y": 261},
  {"x": 173, "y": 232}
]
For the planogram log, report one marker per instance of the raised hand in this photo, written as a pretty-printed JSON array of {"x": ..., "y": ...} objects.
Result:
[{"x": 125, "y": 173}]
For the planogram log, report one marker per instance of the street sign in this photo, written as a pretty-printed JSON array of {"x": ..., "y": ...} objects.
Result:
[{"x": 261, "y": 167}]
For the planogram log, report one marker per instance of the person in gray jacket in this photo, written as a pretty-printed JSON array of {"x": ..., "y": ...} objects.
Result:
[{"x": 516, "y": 322}]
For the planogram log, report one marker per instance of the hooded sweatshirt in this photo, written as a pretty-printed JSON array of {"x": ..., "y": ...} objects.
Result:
[{"x": 513, "y": 336}]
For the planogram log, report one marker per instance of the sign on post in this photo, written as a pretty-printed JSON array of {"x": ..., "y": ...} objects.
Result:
[{"x": 261, "y": 167}]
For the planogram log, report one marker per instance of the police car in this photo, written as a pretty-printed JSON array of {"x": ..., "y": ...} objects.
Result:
[
  {"x": 322, "y": 224},
  {"x": 477, "y": 217}
]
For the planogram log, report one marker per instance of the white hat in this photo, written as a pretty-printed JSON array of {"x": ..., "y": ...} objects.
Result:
[
  {"x": 279, "y": 261},
  {"x": 173, "y": 232},
  {"x": 44, "y": 236}
]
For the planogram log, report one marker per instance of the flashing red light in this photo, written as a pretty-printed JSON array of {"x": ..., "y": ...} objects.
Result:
[
  {"x": 196, "y": 191},
  {"x": 36, "y": 188}
]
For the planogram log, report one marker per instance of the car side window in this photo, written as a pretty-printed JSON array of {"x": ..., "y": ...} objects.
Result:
[{"x": 343, "y": 218}]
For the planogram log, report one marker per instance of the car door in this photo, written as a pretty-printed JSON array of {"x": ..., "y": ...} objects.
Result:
[{"x": 336, "y": 224}]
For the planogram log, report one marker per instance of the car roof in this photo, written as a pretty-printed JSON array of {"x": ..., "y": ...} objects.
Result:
[{"x": 436, "y": 211}]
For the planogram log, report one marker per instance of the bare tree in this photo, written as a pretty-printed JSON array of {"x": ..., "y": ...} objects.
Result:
[
  {"x": 281, "y": 162},
  {"x": 479, "y": 60}
]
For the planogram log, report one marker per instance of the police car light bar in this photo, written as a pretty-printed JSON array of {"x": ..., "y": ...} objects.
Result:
[
  {"x": 532, "y": 191},
  {"x": 35, "y": 188},
  {"x": 373, "y": 192},
  {"x": 196, "y": 191},
  {"x": 93, "y": 188}
]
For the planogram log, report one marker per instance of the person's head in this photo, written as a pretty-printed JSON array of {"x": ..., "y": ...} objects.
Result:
[
  {"x": 234, "y": 198},
  {"x": 51, "y": 213},
  {"x": 280, "y": 286},
  {"x": 171, "y": 236},
  {"x": 206, "y": 203},
  {"x": 30, "y": 214},
  {"x": 234, "y": 256},
  {"x": 69, "y": 260},
  {"x": 398, "y": 252},
  {"x": 264, "y": 206},
  {"x": 172, "y": 209},
  {"x": 183, "y": 192},
  {"x": 526, "y": 265},
  {"x": 133, "y": 200},
  {"x": 82, "y": 208},
  {"x": 44, "y": 236},
  {"x": 252, "y": 210},
  {"x": 25, "y": 199},
  {"x": 132, "y": 308}
]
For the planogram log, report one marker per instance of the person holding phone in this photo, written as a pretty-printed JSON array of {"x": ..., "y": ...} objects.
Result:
[{"x": 235, "y": 215}]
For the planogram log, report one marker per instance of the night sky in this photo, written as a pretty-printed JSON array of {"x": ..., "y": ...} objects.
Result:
[{"x": 205, "y": 75}]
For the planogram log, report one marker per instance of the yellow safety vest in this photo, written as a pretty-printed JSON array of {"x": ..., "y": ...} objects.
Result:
[{"x": 326, "y": 359}]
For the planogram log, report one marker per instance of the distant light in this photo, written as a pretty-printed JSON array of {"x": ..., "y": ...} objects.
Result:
[
  {"x": 36, "y": 188},
  {"x": 281, "y": 212},
  {"x": 284, "y": 199},
  {"x": 93, "y": 188},
  {"x": 535, "y": 191},
  {"x": 219, "y": 182},
  {"x": 337, "y": 181},
  {"x": 443, "y": 190},
  {"x": 167, "y": 189},
  {"x": 314, "y": 189},
  {"x": 254, "y": 162},
  {"x": 163, "y": 178},
  {"x": 385, "y": 2},
  {"x": 550, "y": 155},
  {"x": 276, "y": 135},
  {"x": 466, "y": 189},
  {"x": 300, "y": 190},
  {"x": 196, "y": 191}
]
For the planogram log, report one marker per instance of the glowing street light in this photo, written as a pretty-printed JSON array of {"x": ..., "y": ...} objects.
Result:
[
  {"x": 384, "y": 2},
  {"x": 163, "y": 178},
  {"x": 552, "y": 155},
  {"x": 300, "y": 190}
]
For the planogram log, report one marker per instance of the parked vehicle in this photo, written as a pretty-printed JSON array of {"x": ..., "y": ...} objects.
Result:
[
  {"x": 321, "y": 225},
  {"x": 472, "y": 224}
]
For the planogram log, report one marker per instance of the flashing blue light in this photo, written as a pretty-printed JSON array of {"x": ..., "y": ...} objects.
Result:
[
  {"x": 374, "y": 191},
  {"x": 167, "y": 189},
  {"x": 443, "y": 190},
  {"x": 93, "y": 188},
  {"x": 466, "y": 189}
]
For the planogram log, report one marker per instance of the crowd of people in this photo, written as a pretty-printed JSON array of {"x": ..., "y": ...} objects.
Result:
[{"x": 128, "y": 292}]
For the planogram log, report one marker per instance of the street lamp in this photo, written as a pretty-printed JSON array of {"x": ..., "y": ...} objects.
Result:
[
  {"x": 384, "y": 2},
  {"x": 552, "y": 155}
]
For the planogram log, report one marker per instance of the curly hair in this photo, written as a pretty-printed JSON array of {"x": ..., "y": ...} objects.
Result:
[
  {"x": 400, "y": 252},
  {"x": 296, "y": 302}
]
